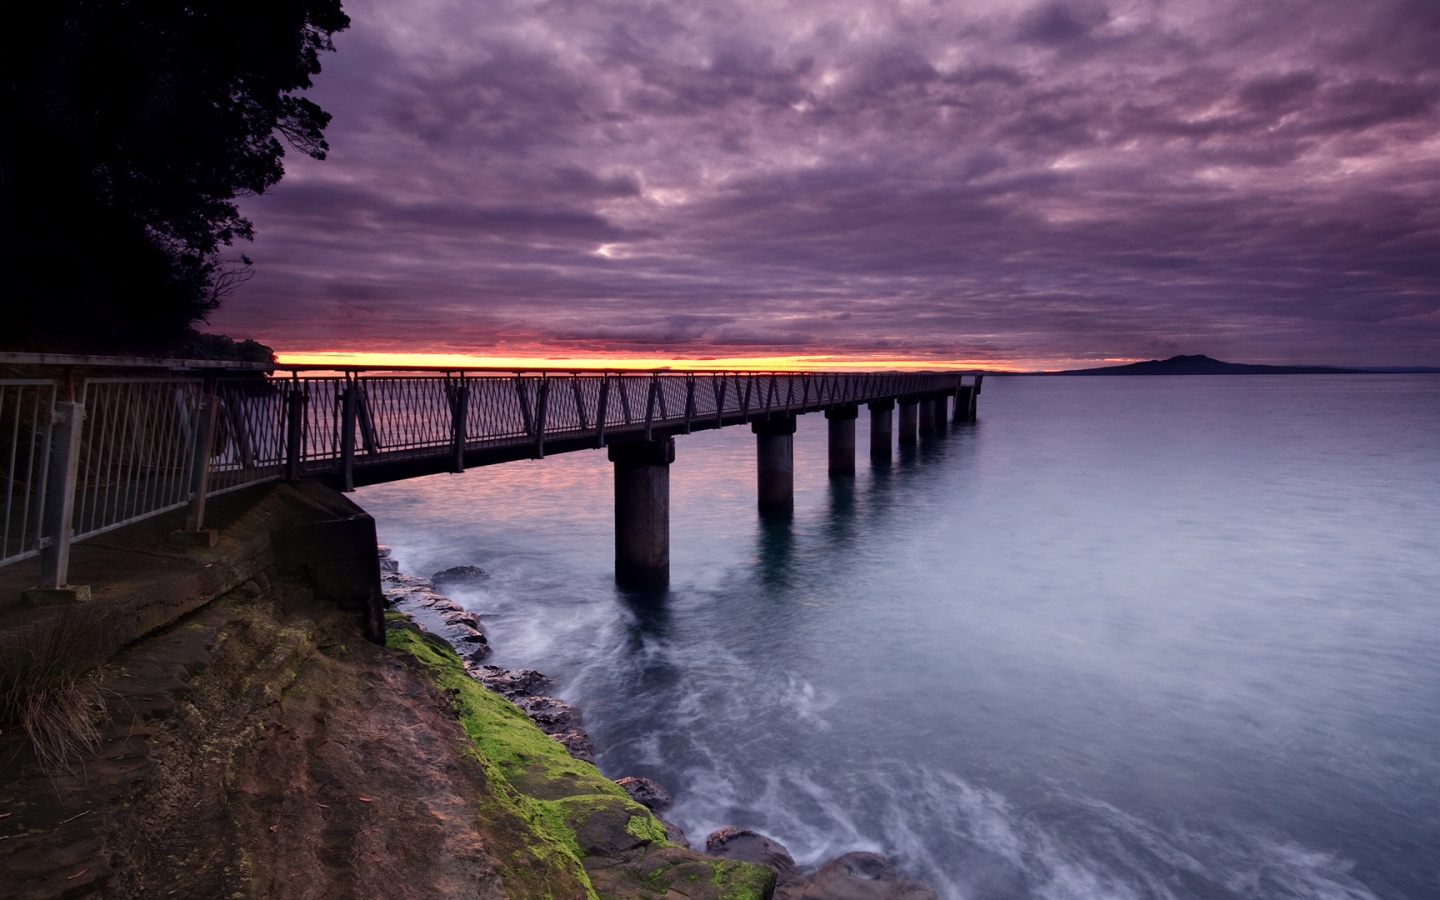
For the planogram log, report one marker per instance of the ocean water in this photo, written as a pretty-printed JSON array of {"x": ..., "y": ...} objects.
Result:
[{"x": 1121, "y": 638}]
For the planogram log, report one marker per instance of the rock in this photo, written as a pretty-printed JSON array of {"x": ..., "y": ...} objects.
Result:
[
  {"x": 577, "y": 743},
  {"x": 388, "y": 564},
  {"x": 458, "y": 576},
  {"x": 751, "y": 846},
  {"x": 438, "y": 614},
  {"x": 857, "y": 876},
  {"x": 553, "y": 716},
  {"x": 673, "y": 833},
  {"x": 646, "y": 792},
  {"x": 512, "y": 683}
]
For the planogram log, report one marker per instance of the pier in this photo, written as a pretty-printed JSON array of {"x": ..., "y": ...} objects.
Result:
[{"x": 94, "y": 444}]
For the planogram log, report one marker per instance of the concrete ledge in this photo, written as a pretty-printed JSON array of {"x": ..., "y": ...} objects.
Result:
[
  {"x": 205, "y": 537},
  {"x": 61, "y": 596},
  {"x": 140, "y": 581}
]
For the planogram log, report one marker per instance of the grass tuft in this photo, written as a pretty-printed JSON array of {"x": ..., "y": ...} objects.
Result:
[{"x": 52, "y": 686}]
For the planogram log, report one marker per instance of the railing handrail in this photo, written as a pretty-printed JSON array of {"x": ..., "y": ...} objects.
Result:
[{"x": 109, "y": 441}]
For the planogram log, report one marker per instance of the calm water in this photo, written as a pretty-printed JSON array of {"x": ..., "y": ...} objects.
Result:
[{"x": 1122, "y": 638}]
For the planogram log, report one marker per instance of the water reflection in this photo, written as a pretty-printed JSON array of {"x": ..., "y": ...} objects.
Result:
[
  {"x": 650, "y": 610},
  {"x": 775, "y": 551},
  {"x": 840, "y": 524}
]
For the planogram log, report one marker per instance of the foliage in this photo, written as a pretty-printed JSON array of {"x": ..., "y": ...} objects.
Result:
[
  {"x": 197, "y": 345},
  {"x": 131, "y": 127}
]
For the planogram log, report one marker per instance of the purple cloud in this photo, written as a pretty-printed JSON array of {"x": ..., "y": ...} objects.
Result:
[{"x": 1065, "y": 180}]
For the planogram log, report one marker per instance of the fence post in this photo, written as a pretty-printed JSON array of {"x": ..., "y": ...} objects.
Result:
[
  {"x": 62, "y": 473},
  {"x": 347, "y": 437},
  {"x": 600, "y": 411},
  {"x": 689, "y": 400},
  {"x": 650, "y": 404},
  {"x": 200, "y": 447},
  {"x": 459, "y": 413},
  {"x": 542, "y": 401},
  {"x": 579, "y": 402},
  {"x": 295, "y": 431}
]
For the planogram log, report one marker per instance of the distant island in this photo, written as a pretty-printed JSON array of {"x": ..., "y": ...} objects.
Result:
[{"x": 1203, "y": 365}]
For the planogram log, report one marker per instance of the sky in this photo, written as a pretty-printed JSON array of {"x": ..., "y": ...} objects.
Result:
[{"x": 1006, "y": 184}]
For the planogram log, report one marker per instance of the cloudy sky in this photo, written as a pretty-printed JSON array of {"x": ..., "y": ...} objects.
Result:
[{"x": 1020, "y": 184}]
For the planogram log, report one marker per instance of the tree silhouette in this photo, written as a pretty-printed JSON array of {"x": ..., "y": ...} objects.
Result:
[{"x": 130, "y": 128}]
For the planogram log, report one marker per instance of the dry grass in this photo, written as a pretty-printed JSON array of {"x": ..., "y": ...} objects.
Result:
[{"x": 51, "y": 684}]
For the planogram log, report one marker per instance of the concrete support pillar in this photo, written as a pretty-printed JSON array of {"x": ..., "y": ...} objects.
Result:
[
  {"x": 962, "y": 403},
  {"x": 775, "y": 464},
  {"x": 909, "y": 420},
  {"x": 881, "y": 418},
  {"x": 842, "y": 439},
  {"x": 642, "y": 513},
  {"x": 942, "y": 409},
  {"x": 927, "y": 415}
]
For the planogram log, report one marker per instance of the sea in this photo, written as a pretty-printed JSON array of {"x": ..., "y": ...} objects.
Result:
[{"x": 1129, "y": 637}]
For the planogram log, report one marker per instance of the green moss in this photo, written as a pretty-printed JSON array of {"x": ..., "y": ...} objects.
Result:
[
  {"x": 743, "y": 881},
  {"x": 549, "y": 812},
  {"x": 646, "y": 828}
]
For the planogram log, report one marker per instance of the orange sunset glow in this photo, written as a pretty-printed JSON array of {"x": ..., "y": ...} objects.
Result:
[
  {"x": 731, "y": 363},
  {"x": 816, "y": 362}
]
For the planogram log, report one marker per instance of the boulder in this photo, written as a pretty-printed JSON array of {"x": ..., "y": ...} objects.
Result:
[
  {"x": 553, "y": 716},
  {"x": 388, "y": 564},
  {"x": 577, "y": 743},
  {"x": 646, "y": 792},
  {"x": 458, "y": 576},
  {"x": 438, "y": 614},
  {"x": 674, "y": 833},
  {"x": 752, "y": 846},
  {"x": 857, "y": 876},
  {"x": 512, "y": 683}
]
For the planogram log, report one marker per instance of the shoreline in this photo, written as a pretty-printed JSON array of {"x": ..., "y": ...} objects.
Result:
[{"x": 859, "y": 874}]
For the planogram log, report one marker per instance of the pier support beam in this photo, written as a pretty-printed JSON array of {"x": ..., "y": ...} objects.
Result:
[
  {"x": 881, "y": 418},
  {"x": 942, "y": 410},
  {"x": 927, "y": 415},
  {"x": 642, "y": 513},
  {"x": 962, "y": 403},
  {"x": 909, "y": 420},
  {"x": 841, "y": 420},
  {"x": 966, "y": 397},
  {"x": 775, "y": 464}
]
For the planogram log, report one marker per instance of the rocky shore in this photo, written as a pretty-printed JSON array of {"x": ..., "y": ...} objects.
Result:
[
  {"x": 852, "y": 876},
  {"x": 268, "y": 730}
]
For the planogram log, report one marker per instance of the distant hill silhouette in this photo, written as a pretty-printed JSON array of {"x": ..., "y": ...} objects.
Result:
[{"x": 1204, "y": 365}]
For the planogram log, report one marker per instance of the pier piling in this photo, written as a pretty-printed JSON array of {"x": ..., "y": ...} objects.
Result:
[
  {"x": 642, "y": 513},
  {"x": 881, "y": 419},
  {"x": 841, "y": 421},
  {"x": 775, "y": 464},
  {"x": 909, "y": 420},
  {"x": 927, "y": 415}
]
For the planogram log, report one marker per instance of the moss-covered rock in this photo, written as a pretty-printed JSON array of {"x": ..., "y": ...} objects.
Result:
[{"x": 556, "y": 822}]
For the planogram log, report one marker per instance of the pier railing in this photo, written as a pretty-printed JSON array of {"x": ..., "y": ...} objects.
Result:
[{"x": 89, "y": 447}]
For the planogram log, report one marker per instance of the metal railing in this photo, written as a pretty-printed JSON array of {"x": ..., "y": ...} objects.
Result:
[{"x": 87, "y": 453}]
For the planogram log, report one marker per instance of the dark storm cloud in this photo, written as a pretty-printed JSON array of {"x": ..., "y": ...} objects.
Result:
[{"x": 1063, "y": 180}]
